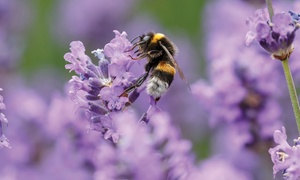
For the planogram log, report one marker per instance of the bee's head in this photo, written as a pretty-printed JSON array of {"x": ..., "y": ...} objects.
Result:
[
  {"x": 144, "y": 41},
  {"x": 145, "y": 38}
]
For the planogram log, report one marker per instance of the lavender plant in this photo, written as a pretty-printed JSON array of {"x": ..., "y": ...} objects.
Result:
[
  {"x": 244, "y": 90},
  {"x": 276, "y": 33}
]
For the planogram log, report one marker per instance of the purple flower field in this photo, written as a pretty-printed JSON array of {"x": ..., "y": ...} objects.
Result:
[{"x": 87, "y": 92}]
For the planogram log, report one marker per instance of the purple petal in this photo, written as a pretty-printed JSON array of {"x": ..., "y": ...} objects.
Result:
[
  {"x": 280, "y": 136},
  {"x": 106, "y": 93},
  {"x": 282, "y": 24}
]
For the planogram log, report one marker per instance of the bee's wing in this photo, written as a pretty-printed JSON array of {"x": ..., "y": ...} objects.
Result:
[{"x": 175, "y": 64}]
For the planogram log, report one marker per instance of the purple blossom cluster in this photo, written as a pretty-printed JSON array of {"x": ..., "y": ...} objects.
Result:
[
  {"x": 286, "y": 158},
  {"x": 276, "y": 35},
  {"x": 99, "y": 88},
  {"x": 4, "y": 142}
]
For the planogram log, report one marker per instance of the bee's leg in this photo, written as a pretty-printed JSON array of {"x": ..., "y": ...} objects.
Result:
[
  {"x": 139, "y": 56},
  {"x": 152, "y": 54},
  {"x": 132, "y": 48},
  {"x": 135, "y": 45},
  {"x": 137, "y": 84}
]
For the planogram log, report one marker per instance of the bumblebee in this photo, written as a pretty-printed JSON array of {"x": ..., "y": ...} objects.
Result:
[{"x": 161, "y": 65}]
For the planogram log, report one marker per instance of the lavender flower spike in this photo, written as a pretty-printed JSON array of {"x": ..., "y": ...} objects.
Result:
[
  {"x": 97, "y": 87},
  {"x": 286, "y": 158},
  {"x": 275, "y": 36},
  {"x": 4, "y": 142}
]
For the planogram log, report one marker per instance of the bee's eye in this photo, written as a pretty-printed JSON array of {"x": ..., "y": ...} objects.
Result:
[{"x": 146, "y": 38}]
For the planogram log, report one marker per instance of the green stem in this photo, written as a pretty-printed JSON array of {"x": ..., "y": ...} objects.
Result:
[
  {"x": 270, "y": 8},
  {"x": 292, "y": 91}
]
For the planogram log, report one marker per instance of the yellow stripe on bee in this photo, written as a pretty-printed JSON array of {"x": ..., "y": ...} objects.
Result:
[
  {"x": 165, "y": 67},
  {"x": 157, "y": 37}
]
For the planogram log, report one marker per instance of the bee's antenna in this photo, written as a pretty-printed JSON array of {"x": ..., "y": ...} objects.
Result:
[
  {"x": 134, "y": 46},
  {"x": 135, "y": 38}
]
